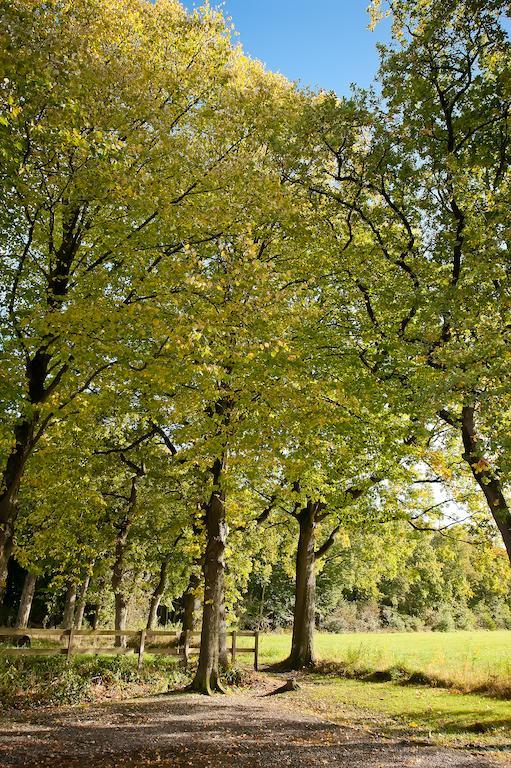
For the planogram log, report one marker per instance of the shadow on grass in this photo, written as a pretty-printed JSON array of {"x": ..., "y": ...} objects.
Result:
[{"x": 402, "y": 676}]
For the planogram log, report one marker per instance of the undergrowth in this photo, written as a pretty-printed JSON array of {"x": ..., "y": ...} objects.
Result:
[
  {"x": 35, "y": 681},
  {"x": 50, "y": 680}
]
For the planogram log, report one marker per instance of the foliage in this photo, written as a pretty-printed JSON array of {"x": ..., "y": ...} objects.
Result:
[
  {"x": 395, "y": 578},
  {"x": 43, "y": 681},
  {"x": 219, "y": 289}
]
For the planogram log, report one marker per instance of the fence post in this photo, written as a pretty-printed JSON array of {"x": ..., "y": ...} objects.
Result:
[
  {"x": 256, "y": 650},
  {"x": 70, "y": 639},
  {"x": 233, "y": 647},
  {"x": 141, "y": 647}
]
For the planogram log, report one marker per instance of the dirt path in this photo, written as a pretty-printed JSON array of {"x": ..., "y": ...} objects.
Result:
[{"x": 242, "y": 730}]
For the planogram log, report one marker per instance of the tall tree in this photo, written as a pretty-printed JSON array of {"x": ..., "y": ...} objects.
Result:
[
  {"x": 107, "y": 131},
  {"x": 414, "y": 185}
]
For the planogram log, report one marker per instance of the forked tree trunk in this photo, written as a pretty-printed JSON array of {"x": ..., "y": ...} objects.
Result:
[
  {"x": 27, "y": 597},
  {"x": 80, "y": 607},
  {"x": 191, "y": 603},
  {"x": 158, "y": 594},
  {"x": 302, "y": 644},
  {"x": 307, "y": 556},
  {"x": 207, "y": 676},
  {"x": 69, "y": 606}
]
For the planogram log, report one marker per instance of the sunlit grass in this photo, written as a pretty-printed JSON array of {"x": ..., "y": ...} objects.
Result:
[
  {"x": 422, "y": 712},
  {"x": 470, "y": 661}
]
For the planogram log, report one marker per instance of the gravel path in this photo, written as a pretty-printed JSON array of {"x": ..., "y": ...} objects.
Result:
[{"x": 242, "y": 730}]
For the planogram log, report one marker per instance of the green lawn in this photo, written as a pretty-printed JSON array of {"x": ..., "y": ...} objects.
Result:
[
  {"x": 345, "y": 691},
  {"x": 467, "y": 660},
  {"x": 412, "y": 712}
]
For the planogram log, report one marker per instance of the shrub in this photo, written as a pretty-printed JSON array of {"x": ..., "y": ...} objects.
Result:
[
  {"x": 391, "y": 619},
  {"x": 45, "y": 680},
  {"x": 236, "y": 676},
  {"x": 442, "y": 620}
]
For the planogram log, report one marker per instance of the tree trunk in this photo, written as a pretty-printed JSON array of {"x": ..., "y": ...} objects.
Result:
[
  {"x": 207, "y": 677},
  {"x": 486, "y": 478},
  {"x": 118, "y": 587},
  {"x": 69, "y": 606},
  {"x": 158, "y": 594},
  {"x": 120, "y": 602},
  {"x": 121, "y": 618},
  {"x": 38, "y": 388},
  {"x": 190, "y": 603},
  {"x": 11, "y": 479},
  {"x": 26, "y": 601},
  {"x": 80, "y": 608},
  {"x": 302, "y": 645},
  {"x": 222, "y": 639}
]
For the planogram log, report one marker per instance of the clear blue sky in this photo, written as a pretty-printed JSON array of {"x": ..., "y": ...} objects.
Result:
[{"x": 319, "y": 42}]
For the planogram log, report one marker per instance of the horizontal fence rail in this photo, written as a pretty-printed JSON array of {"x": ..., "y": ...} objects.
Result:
[{"x": 136, "y": 641}]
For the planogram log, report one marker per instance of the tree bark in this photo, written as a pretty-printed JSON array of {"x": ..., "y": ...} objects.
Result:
[
  {"x": 486, "y": 478},
  {"x": 207, "y": 677},
  {"x": 69, "y": 606},
  {"x": 302, "y": 644},
  {"x": 118, "y": 587},
  {"x": 9, "y": 489},
  {"x": 120, "y": 602},
  {"x": 223, "y": 657},
  {"x": 80, "y": 608},
  {"x": 121, "y": 618},
  {"x": 158, "y": 594},
  {"x": 27, "y": 597},
  {"x": 190, "y": 603}
]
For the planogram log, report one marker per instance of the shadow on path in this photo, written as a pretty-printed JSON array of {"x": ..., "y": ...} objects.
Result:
[{"x": 234, "y": 731}]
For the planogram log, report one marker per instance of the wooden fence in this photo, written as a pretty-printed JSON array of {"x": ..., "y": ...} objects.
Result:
[{"x": 138, "y": 642}]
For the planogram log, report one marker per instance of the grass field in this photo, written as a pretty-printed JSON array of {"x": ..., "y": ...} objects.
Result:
[
  {"x": 469, "y": 661},
  {"x": 372, "y": 681}
]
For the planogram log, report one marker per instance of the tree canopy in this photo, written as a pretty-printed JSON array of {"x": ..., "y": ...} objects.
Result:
[{"x": 243, "y": 322}]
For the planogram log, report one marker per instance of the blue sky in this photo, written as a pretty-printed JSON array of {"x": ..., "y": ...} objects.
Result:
[{"x": 319, "y": 42}]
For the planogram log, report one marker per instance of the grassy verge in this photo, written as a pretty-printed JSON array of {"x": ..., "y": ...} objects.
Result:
[
  {"x": 38, "y": 681},
  {"x": 417, "y": 712}
]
